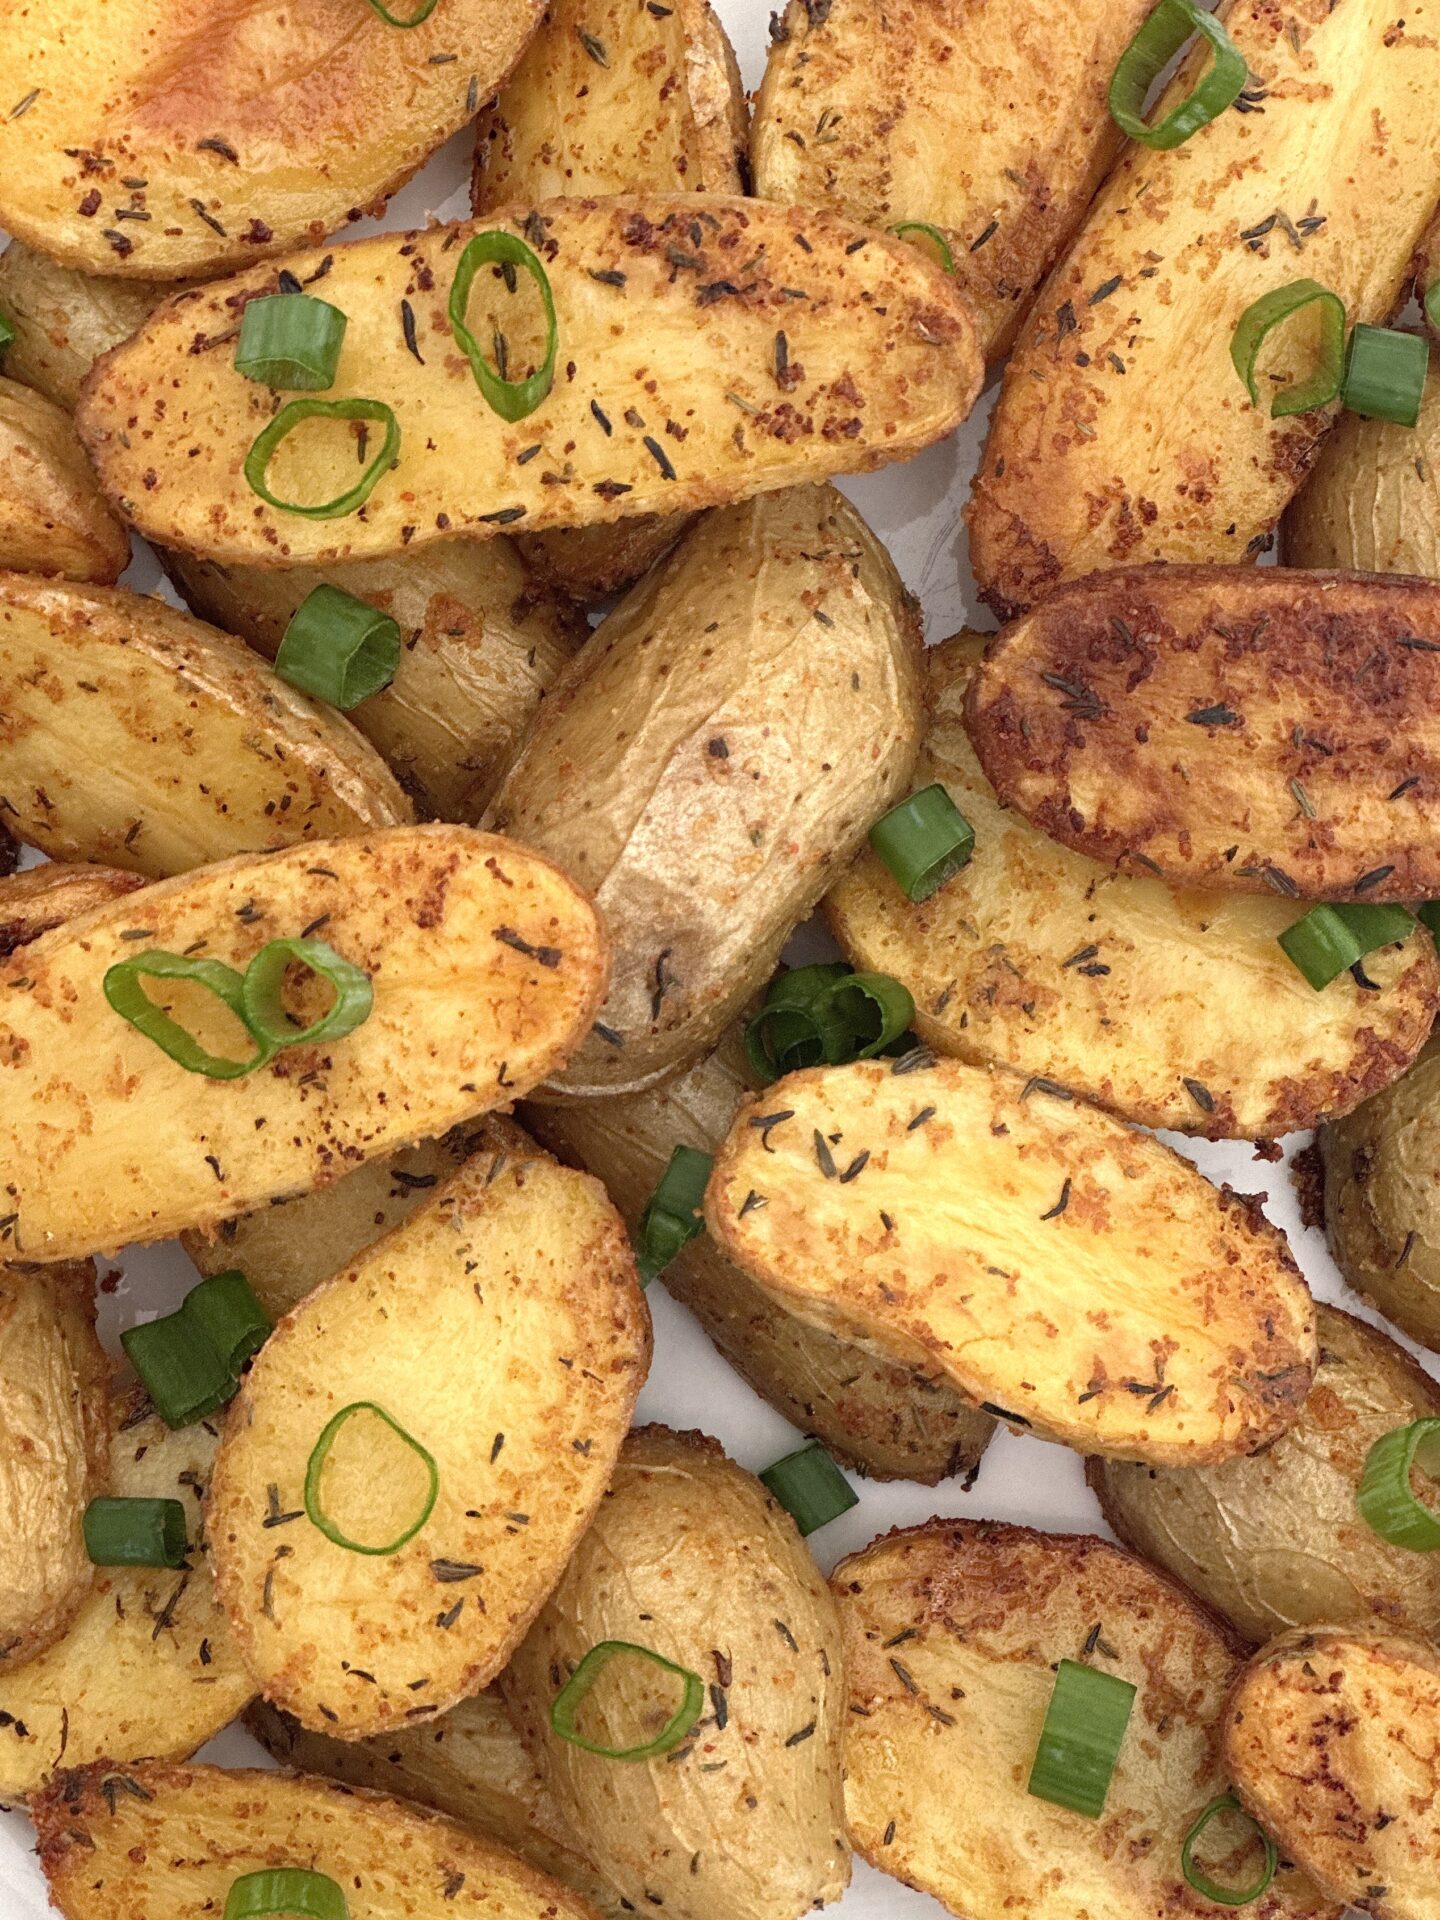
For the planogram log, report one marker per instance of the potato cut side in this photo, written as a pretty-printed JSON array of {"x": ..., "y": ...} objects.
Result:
[
  {"x": 1041, "y": 959},
  {"x": 952, "y": 1632},
  {"x": 53, "y": 519},
  {"x": 63, "y": 319},
  {"x": 487, "y": 965},
  {"x": 536, "y": 1342},
  {"x": 596, "y": 563},
  {"x": 41, "y": 898},
  {"x": 878, "y": 360},
  {"x": 1067, "y": 1274}
]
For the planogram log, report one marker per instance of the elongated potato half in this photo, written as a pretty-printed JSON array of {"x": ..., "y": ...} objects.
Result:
[
  {"x": 690, "y": 1558},
  {"x": 487, "y": 965},
  {"x": 483, "y": 644},
  {"x": 1332, "y": 1740},
  {"x": 54, "y": 1451},
  {"x": 985, "y": 120},
  {"x": 33, "y": 902},
  {"x": 63, "y": 319},
  {"x": 1123, "y": 433},
  {"x": 952, "y": 1631},
  {"x": 148, "y": 1667},
  {"x": 53, "y": 519},
  {"x": 536, "y": 1343},
  {"x": 1268, "y": 731},
  {"x": 172, "y": 141},
  {"x": 137, "y": 737},
  {"x": 1045, "y": 961},
  {"x": 170, "y": 1842},
  {"x": 877, "y": 361},
  {"x": 714, "y": 754},
  {"x": 1069, "y": 1275}
]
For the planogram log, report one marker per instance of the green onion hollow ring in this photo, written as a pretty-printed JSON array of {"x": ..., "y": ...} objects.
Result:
[
  {"x": 316, "y": 1466},
  {"x": 1337, "y": 935},
  {"x": 571, "y": 1697},
  {"x": 873, "y": 1008},
  {"x": 1386, "y": 1499},
  {"x": 1428, "y": 914},
  {"x": 290, "y": 416},
  {"x": 932, "y": 234},
  {"x": 184, "y": 1375},
  {"x": 264, "y": 1012},
  {"x": 511, "y": 399},
  {"x": 1211, "y": 1889},
  {"x": 339, "y": 648},
  {"x": 1385, "y": 373},
  {"x": 296, "y": 1891},
  {"x": 1146, "y": 58},
  {"x": 1080, "y": 1742},
  {"x": 1267, "y": 313},
  {"x": 130, "y": 1000},
  {"x": 135, "y": 1533},
  {"x": 671, "y": 1219},
  {"x": 427, "y": 7},
  {"x": 224, "y": 1311},
  {"x": 789, "y": 1031},
  {"x": 810, "y": 1487},
  {"x": 290, "y": 340},
  {"x": 7, "y": 334},
  {"x": 924, "y": 841}
]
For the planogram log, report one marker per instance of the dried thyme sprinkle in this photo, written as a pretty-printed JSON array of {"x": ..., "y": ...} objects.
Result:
[
  {"x": 823, "y": 1156},
  {"x": 407, "y": 323},
  {"x": 594, "y": 47},
  {"x": 1061, "y": 1204}
]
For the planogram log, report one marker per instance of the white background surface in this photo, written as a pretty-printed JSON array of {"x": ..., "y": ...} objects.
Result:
[{"x": 915, "y": 509}]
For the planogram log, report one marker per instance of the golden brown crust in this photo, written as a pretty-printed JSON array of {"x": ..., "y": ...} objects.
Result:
[
  {"x": 53, "y": 519},
  {"x": 42, "y": 898},
  {"x": 595, "y": 563}
]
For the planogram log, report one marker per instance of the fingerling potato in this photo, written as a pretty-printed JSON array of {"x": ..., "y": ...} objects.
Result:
[
  {"x": 63, "y": 319},
  {"x": 53, "y": 519},
  {"x": 690, "y": 1558},
  {"x": 41, "y": 898}
]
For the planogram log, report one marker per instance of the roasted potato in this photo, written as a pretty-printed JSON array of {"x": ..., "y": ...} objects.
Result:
[
  {"x": 714, "y": 754},
  {"x": 41, "y": 898},
  {"x": 63, "y": 319},
  {"x": 1268, "y": 731},
  {"x": 138, "y": 737},
  {"x": 52, "y": 517},
  {"x": 1277, "y": 1541},
  {"x": 983, "y": 118},
  {"x": 952, "y": 1632},
  {"x": 54, "y": 1451},
  {"x": 148, "y": 1666},
  {"x": 690, "y": 1558},
  {"x": 1332, "y": 1740},
  {"x": 1071, "y": 1276},
  {"x": 1123, "y": 433},
  {"x": 745, "y": 386},
  {"x": 179, "y": 140},
  {"x": 499, "y": 1429},
  {"x": 487, "y": 965},
  {"x": 1041, "y": 959}
]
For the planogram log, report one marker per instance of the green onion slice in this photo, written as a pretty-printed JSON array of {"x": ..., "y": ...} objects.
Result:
[
  {"x": 1211, "y": 1889},
  {"x": 1428, "y": 914},
  {"x": 571, "y": 1697},
  {"x": 1080, "y": 1742},
  {"x": 874, "y": 1010},
  {"x": 1385, "y": 374},
  {"x": 672, "y": 1214},
  {"x": 224, "y": 1312},
  {"x": 1432, "y": 305},
  {"x": 924, "y": 842},
  {"x": 190, "y": 1361},
  {"x": 135, "y": 1533},
  {"x": 427, "y": 7},
  {"x": 7, "y": 334},
  {"x": 790, "y": 1031},
  {"x": 339, "y": 648},
  {"x": 316, "y": 1466},
  {"x": 933, "y": 234},
  {"x": 297, "y": 1891},
  {"x": 1386, "y": 1498},
  {"x": 1146, "y": 58},
  {"x": 810, "y": 1487},
  {"x": 257, "y": 461},
  {"x": 1334, "y": 936},
  {"x": 130, "y": 1000},
  {"x": 1267, "y": 313},
  {"x": 264, "y": 1011},
  {"x": 511, "y": 399},
  {"x": 290, "y": 340}
]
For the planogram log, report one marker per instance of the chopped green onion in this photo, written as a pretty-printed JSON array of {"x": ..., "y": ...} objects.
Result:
[
  {"x": 873, "y": 1008},
  {"x": 933, "y": 234},
  {"x": 1211, "y": 1889},
  {"x": 1432, "y": 305},
  {"x": 1146, "y": 58},
  {"x": 571, "y": 1697},
  {"x": 316, "y": 1467},
  {"x": 130, "y": 1000},
  {"x": 1334, "y": 936},
  {"x": 789, "y": 1032},
  {"x": 1267, "y": 313},
  {"x": 1386, "y": 1498},
  {"x": 1080, "y": 1742},
  {"x": 264, "y": 1010},
  {"x": 427, "y": 7},
  {"x": 257, "y": 461},
  {"x": 1428, "y": 914},
  {"x": 924, "y": 842},
  {"x": 810, "y": 1487},
  {"x": 189, "y": 1361},
  {"x": 296, "y": 1891},
  {"x": 671, "y": 1219},
  {"x": 1385, "y": 374},
  {"x": 7, "y": 334},
  {"x": 135, "y": 1533},
  {"x": 339, "y": 648},
  {"x": 290, "y": 340},
  {"x": 224, "y": 1311},
  {"x": 511, "y": 399}
]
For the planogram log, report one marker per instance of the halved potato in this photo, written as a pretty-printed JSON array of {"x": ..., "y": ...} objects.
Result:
[
  {"x": 174, "y": 139},
  {"x": 487, "y": 965},
  {"x": 52, "y": 517},
  {"x": 33, "y": 902},
  {"x": 690, "y": 1558},
  {"x": 63, "y": 319},
  {"x": 132, "y": 735},
  {"x": 1041, "y": 959},
  {"x": 148, "y": 1667},
  {"x": 691, "y": 386},
  {"x": 952, "y": 1632},
  {"x": 1071, "y": 1276},
  {"x": 535, "y": 1344},
  {"x": 1268, "y": 731}
]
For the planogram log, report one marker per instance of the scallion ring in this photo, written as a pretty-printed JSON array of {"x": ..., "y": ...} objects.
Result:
[
  {"x": 671, "y": 1219},
  {"x": 873, "y": 1008},
  {"x": 790, "y": 1031},
  {"x": 511, "y": 399},
  {"x": 1211, "y": 1889},
  {"x": 1268, "y": 312},
  {"x": 7, "y": 333},
  {"x": 290, "y": 340},
  {"x": 315, "y": 1468},
  {"x": 810, "y": 1487},
  {"x": 1146, "y": 58},
  {"x": 1432, "y": 305},
  {"x": 130, "y": 1000},
  {"x": 932, "y": 234},
  {"x": 1428, "y": 914},
  {"x": 264, "y": 1011},
  {"x": 339, "y": 648},
  {"x": 296, "y": 1891},
  {"x": 1337, "y": 935},
  {"x": 1386, "y": 1498},
  {"x": 924, "y": 841},
  {"x": 427, "y": 7},
  {"x": 184, "y": 1375},
  {"x": 566, "y": 1706},
  {"x": 290, "y": 416},
  {"x": 224, "y": 1312},
  {"x": 1385, "y": 373},
  {"x": 134, "y": 1533},
  {"x": 1080, "y": 1742}
]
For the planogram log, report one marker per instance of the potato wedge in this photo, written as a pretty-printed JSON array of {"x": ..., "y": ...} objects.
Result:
[
  {"x": 536, "y": 1344},
  {"x": 691, "y": 1558},
  {"x": 957, "y": 1219},
  {"x": 878, "y": 361},
  {"x": 135, "y": 736},
  {"x": 1331, "y": 1740},
  {"x": 878, "y": 1417},
  {"x": 175, "y": 140},
  {"x": 1123, "y": 433},
  {"x": 487, "y": 964},
  {"x": 1268, "y": 731},
  {"x": 41, "y": 898},
  {"x": 170, "y": 1842},
  {"x": 52, "y": 517},
  {"x": 63, "y": 319},
  {"x": 1040, "y": 959},
  {"x": 54, "y": 1451},
  {"x": 148, "y": 1666},
  {"x": 951, "y": 1635},
  {"x": 715, "y": 753}
]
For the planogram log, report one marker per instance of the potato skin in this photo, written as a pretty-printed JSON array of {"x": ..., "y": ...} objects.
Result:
[
  {"x": 42, "y": 898},
  {"x": 692, "y": 1558},
  {"x": 53, "y": 519},
  {"x": 718, "y": 749},
  {"x": 63, "y": 319}
]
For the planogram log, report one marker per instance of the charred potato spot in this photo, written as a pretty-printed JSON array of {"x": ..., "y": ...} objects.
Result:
[{"x": 42, "y": 898}]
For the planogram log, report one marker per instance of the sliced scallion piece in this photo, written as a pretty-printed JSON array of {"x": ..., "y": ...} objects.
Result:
[
  {"x": 1080, "y": 1742},
  {"x": 315, "y": 1468},
  {"x": 924, "y": 842},
  {"x": 427, "y": 7},
  {"x": 511, "y": 399},
  {"x": 1432, "y": 305},
  {"x": 1386, "y": 1498},
  {"x": 874, "y": 1010},
  {"x": 933, "y": 234},
  {"x": 128, "y": 997},
  {"x": 790, "y": 1031},
  {"x": 290, "y": 416},
  {"x": 339, "y": 648},
  {"x": 224, "y": 1311},
  {"x": 7, "y": 334},
  {"x": 1146, "y": 58},
  {"x": 1211, "y": 1889},
  {"x": 290, "y": 340},
  {"x": 1270, "y": 311},
  {"x": 810, "y": 1487},
  {"x": 297, "y": 1891},
  {"x": 1428, "y": 914},
  {"x": 672, "y": 1219},
  {"x": 1385, "y": 374},
  {"x": 185, "y": 1377},
  {"x": 135, "y": 1533},
  {"x": 566, "y": 1706},
  {"x": 264, "y": 1010},
  {"x": 1337, "y": 935}
]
